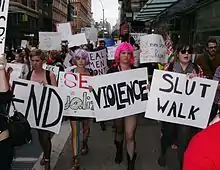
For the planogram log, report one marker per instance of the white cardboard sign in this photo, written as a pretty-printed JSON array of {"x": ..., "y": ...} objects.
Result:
[
  {"x": 3, "y": 22},
  {"x": 42, "y": 105},
  {"x": 65, "y": 30},
  {"x": 111, "y": 52},
  {"x": 77, "y": 40},
  {"x": 177, "y": 99},
  {"x": 153, "y": 49},
  {"x": 78, "y": 101},
  {"x": 49, "y": 41},
  {"x": 98, "y": 62},
  {"x": 120, "y": 94}
]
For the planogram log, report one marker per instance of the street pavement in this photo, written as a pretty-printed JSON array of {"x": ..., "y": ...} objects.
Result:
[
  {"x": 102, "y": 150},
  {"x": 27, "y": 155}
]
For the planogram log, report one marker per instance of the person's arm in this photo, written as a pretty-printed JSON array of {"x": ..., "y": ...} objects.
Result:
[
  {"x": 53, "y": 79},
  {"x": 217, "y": 76},
  {"x": 4, "y": 84}
]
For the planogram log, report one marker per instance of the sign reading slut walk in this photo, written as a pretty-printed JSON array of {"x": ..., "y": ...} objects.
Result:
[
  {"x": 120, "y": 94},
  {"x": 78, "y": 100},
  {"x": 42, "y": 105},
  {"x": 177, "y": 99}
]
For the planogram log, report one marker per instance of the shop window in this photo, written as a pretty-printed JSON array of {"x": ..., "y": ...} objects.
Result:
[{"x": 33, "y": 4}]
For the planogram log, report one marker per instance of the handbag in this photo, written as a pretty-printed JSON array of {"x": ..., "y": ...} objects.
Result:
[{"x": 18, "y": 127}]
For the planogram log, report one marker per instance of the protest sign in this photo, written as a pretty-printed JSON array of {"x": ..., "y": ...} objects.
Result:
[
  {"x": 91, "y": 33},
  {"x": 3, "y": 22},
  {"x": 24, "y": 43},
  {"x": 137, "y": 37},
  {"x": 77, "y": 40},
  {"x": 41, "y": 105},
  {"x": 65, "y": 30},
  {"x": 120, "y": 94},
  {"x": 98, "y": 62},
  {"x": 111, "y": 52},
  {"x": 53, "y": 69},
  {"x": 49, "y": 41},
  {"x": 153, "y": 49},
  {"x": 78, "y": 101},
  {"x": 177, "y": 99},
  {"x": 16, "y": 71}
]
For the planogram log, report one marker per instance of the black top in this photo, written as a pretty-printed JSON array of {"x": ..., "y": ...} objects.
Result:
[
  {"x": 5, "y": 97},
  {"x": 115, "y": 68}
]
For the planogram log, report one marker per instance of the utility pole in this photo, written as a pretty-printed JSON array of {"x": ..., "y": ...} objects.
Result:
[{"x": 103, "y": 27}]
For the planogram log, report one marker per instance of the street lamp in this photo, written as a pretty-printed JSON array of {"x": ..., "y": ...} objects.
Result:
[{"x": 103, "y": 27}]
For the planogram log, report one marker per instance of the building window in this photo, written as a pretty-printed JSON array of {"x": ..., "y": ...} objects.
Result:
[
  {"x": 24, "y": 2},
  {"x": 33, "y": 4}
]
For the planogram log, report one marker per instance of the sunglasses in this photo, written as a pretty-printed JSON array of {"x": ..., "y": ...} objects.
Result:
[
  {"x": 212, "y": 47},
  {"x": 188, "y": 51}
]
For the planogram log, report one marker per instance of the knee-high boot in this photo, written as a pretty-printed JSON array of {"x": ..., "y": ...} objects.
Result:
[
  {"x": 131, "y": 161},
  {"x": 119, "y": 152}
]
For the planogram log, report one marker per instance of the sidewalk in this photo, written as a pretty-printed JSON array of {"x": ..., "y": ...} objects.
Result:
[{"x": 102, "y": 150}]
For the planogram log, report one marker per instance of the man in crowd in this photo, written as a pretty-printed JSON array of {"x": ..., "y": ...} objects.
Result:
[{"x": 209, "y": 61}]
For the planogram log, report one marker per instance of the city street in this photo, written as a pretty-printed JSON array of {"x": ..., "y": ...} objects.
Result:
[{"x": 102, "y": 150}]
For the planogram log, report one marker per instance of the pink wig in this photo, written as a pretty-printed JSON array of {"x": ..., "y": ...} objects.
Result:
[{"x": 124, "y": 47}]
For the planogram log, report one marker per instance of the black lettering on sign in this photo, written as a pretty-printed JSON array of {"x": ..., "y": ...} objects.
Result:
[
  {"x": 51, "y": 93},
  {"x": 176, "y": 110},
  {"x": 32, "y": 100},
  {"x": 77, "y": 103},
  {"x": 2, "y": 5},
  {"x": 121, "y": 94},
  {"x": 16, "y": 100},
  {"x": 168, "y": 78},
  {"x": 204, "y": 89}
]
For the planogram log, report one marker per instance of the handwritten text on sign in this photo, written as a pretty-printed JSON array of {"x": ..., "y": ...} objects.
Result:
[
  {"x": 41, "y": 105},
  {"x": 178, "y": 99},
  {"x": 78, "y": 100},
  {"x": 120, "y": 94},
  {"x": 98, "y": 62},
  {"x": 4, "y": 4},
  {"x": 153, "y": 49}
]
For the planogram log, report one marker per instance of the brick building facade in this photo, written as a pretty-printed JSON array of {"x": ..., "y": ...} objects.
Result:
[{"x": 82, "y": 14}]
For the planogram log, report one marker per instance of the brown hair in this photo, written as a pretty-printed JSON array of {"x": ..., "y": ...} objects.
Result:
[
  {"x": 39, "y": 53},
  {"x": 211, "y": 40}
]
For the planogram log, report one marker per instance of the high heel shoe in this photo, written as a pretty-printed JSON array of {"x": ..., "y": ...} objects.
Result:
[
  {"x": 75, "y": 164},
  {"x": 85, "y": 148}
]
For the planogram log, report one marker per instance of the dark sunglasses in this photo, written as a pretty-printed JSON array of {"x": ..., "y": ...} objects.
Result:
[
  {"x": 212, "y": 47},
  {"x": 188, "y": 51}
]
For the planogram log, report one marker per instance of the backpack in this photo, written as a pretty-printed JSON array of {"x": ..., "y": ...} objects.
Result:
[
  {"x": 195, "y": 67},
  {"x": 47, "y": 76}
]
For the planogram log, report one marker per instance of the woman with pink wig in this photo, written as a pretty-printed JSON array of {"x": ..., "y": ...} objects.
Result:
[{"x": 124, "y": 60}]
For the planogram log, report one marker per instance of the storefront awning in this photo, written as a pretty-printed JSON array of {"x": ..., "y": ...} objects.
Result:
[{"x": 152, "y": 9}]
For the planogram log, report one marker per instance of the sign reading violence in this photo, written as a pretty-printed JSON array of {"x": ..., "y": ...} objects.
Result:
[
  {"x": 41, "y": 105},
  {"x": 177, "y": 99},
  {"x": 98, "y": 62},
  {"x": 78, "y": 101},
  {"x": 120, "y": 94}
]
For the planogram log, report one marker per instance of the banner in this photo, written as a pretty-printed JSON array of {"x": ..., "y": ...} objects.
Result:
[
  {"x": 3, "y": 22},
  {"x": 91, "y": 33},
  {"x": 49, "y": 41},
  {"x": 41, "y": 105},
  {"x": 153, "y": 49},
  {"x": 177, "y": 99},
  {"x": 24, "y": 43},
  {"x": 78, "y": 101},
  {"x": 65, "y": 30},
  {"x": 53, "y": 69},
  {"x": 120, "y": 94},
  {"x": 98, "y": 62}
]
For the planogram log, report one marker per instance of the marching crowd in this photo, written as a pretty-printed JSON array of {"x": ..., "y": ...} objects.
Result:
[{"x": 203, "y": 150}]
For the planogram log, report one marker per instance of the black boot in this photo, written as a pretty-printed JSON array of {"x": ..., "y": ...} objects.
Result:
[
  {"x": 162, "y": 161},
  {"x": 119, "y": 152},
  {"x": 131, "y": 162}
]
